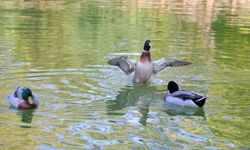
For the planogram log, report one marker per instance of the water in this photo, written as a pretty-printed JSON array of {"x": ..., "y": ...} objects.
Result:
[{"x": 60, "y": 48}]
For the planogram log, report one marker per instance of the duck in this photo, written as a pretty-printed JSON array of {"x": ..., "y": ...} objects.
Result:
[
  {"x": 183, "y": 98},
  {"x": 144, "y": 67},
  {"x": 23, "y": 98}
]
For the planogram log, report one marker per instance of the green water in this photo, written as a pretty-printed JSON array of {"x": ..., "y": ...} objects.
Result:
[{"x": 60, "y": 48}]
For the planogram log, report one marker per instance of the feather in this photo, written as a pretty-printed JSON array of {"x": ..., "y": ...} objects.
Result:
[
  {"x": 187, "y": 95},
  {"x": 125, "y": 63},
  {"x": 162, "y": 63}
]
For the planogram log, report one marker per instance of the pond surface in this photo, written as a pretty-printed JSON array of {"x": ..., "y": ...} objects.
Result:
[{"x": 60, "y": 50}]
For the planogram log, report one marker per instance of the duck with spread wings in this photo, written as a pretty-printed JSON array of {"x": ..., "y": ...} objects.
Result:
[{"x": 144, "y": 68}]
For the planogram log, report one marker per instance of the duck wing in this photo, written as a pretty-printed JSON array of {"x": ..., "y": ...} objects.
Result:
[
  {"x": 186, "y": 95},
  {"x": 18, "y": 93},
  {"x": 162, "y": 63},
  {"x": 125, "y": 63}
]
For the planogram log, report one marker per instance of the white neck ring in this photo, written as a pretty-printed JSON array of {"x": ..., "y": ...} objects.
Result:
[{"x": 144, "y": 51}]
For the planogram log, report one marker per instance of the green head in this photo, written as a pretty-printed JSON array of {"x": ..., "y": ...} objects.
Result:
[
  {"x": 26, "y": 94},
  {"x": 147, "y": 45}
]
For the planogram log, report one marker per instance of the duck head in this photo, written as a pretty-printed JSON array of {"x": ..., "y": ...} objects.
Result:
[
  {"x": 172, "y": 87},
  {"x": 26, "y": 94},
  {"x": 147, "y": 45},
  {"x": 145, "y": 56}
]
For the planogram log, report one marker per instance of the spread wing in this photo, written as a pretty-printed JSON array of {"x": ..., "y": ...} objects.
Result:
[
  {"x": 125, "y": 63},
  {"x": 162, "y": 63}
]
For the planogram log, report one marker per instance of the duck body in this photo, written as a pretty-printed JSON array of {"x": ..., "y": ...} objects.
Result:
[
  {"x": 183, "y": 98},
  {"x": 23, "y": 98},
  {"x": 144, "y": 68}
]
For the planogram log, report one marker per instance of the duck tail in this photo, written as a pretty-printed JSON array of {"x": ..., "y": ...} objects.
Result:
[
  {"x": 15, "y": 94},
  {"x": 200, "y": 102}
]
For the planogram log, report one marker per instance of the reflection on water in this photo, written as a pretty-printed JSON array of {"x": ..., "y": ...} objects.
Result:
[
  {"x": 26, "y": 115},
  {"x": 173, "y": 110},
  {"x": 60, "y": 49},
  {"x": 138, "y": 95}
]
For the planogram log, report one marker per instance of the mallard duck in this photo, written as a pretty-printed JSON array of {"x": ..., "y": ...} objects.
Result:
[
  {"x": 144, "y": 68},
  {"x": 184, "y": 98},
  {"x": 23, "y": 98}
]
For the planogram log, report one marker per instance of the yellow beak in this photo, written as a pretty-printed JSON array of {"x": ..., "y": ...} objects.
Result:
[{"x": 30, "y": 99}]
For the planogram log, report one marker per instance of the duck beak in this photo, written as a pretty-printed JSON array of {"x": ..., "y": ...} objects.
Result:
[{"x": 30, "y": 99}]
